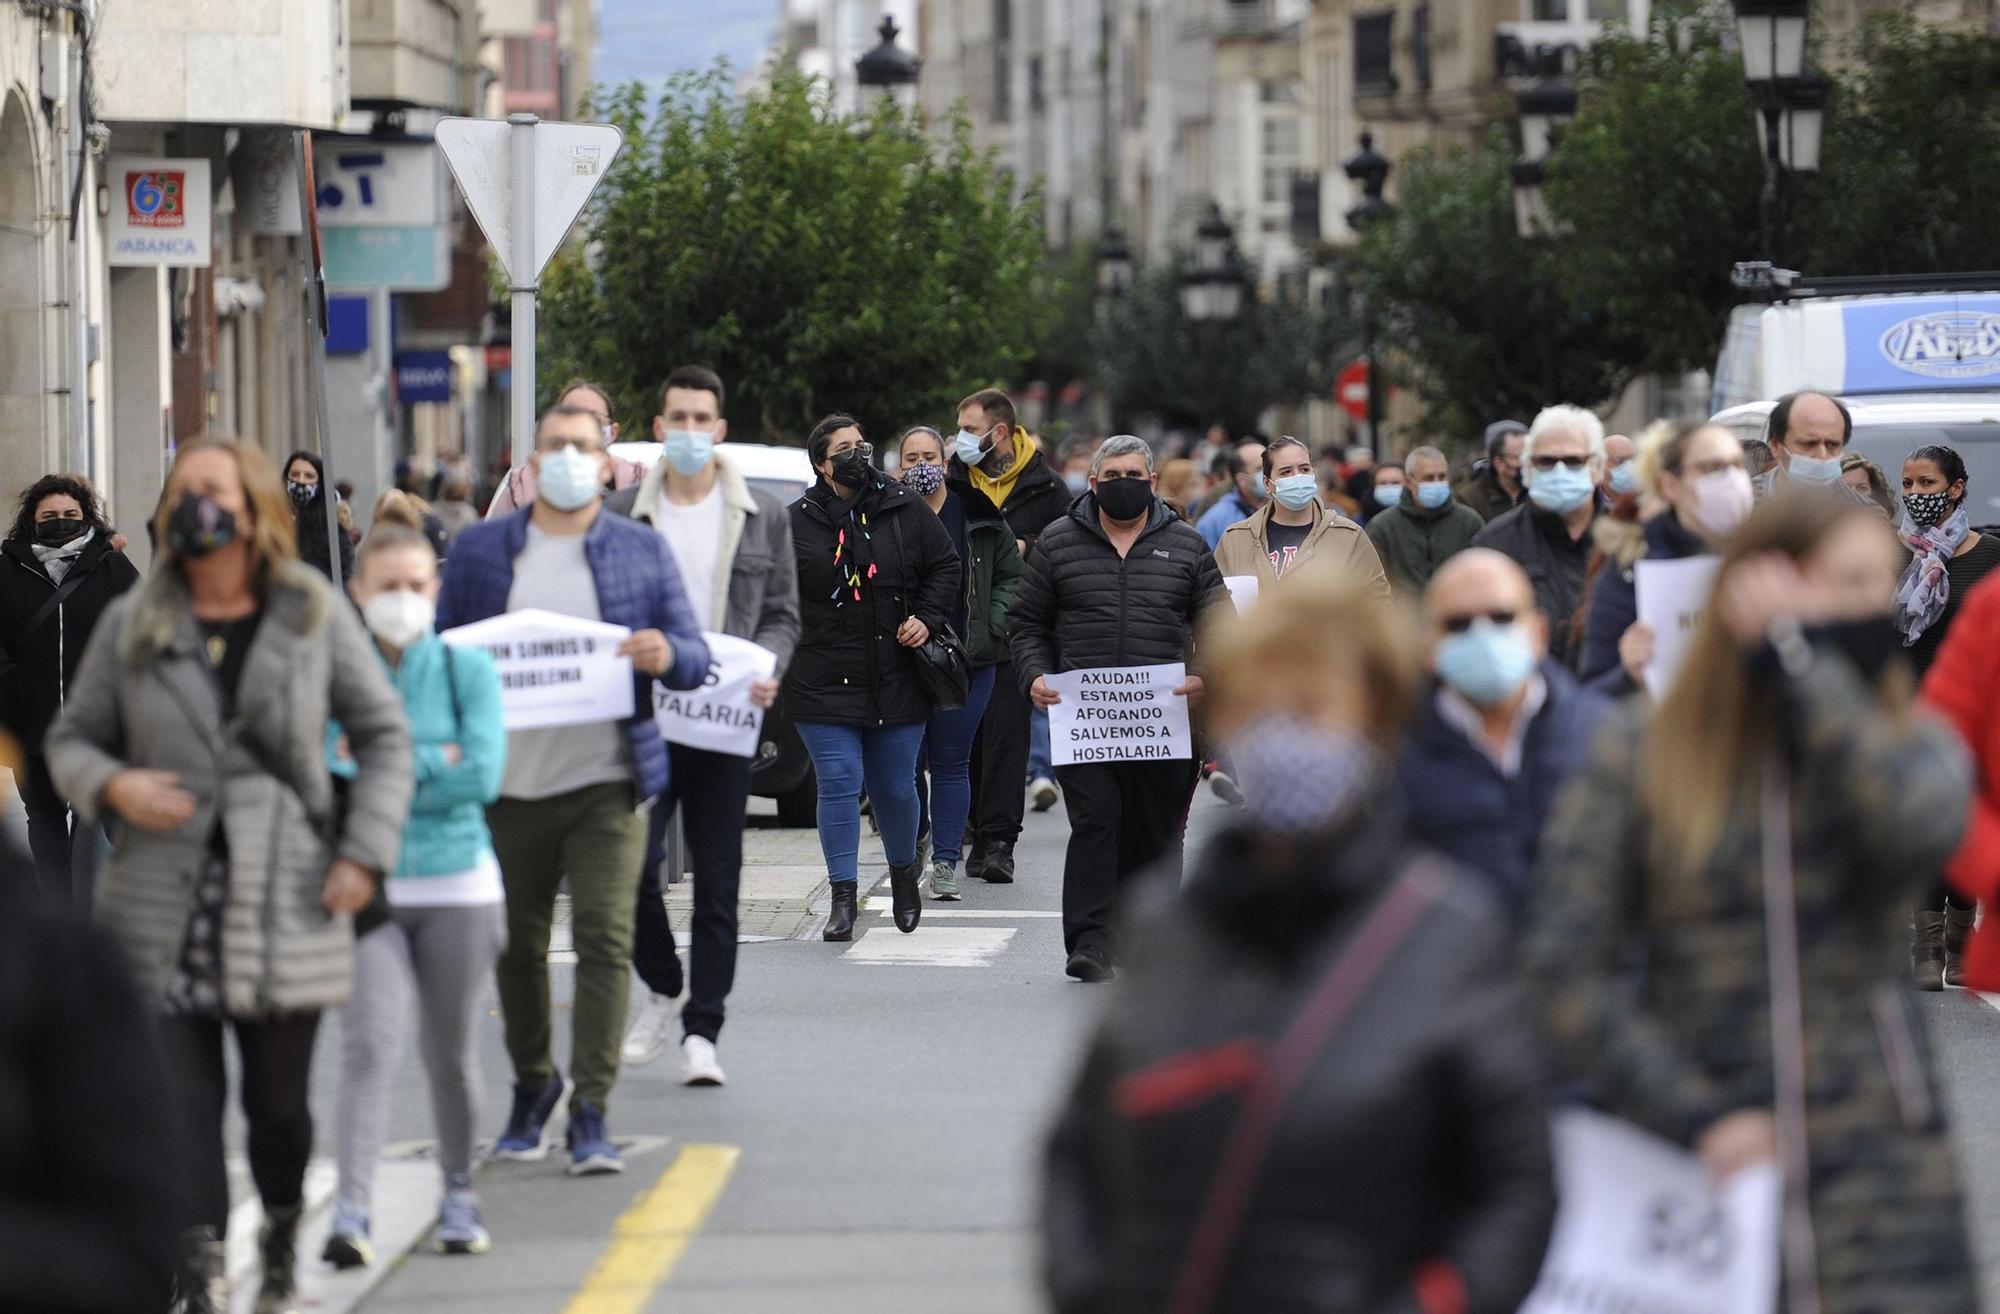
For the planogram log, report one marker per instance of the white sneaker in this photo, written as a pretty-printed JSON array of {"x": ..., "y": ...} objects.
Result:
[
  {"x": 698, "y": 1065},
  {"x": 652, "y": 1028},
  {"x": 1042, "y": 793}
]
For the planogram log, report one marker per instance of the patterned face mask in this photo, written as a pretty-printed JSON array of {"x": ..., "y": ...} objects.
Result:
[
  {"x": 924, "y": 479},
  {"x": 1927, "y": 508},
  {"x": 1301, "y": 779}
]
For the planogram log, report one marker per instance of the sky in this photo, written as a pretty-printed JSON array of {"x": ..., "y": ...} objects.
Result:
[{"x": 651, "y": 39}]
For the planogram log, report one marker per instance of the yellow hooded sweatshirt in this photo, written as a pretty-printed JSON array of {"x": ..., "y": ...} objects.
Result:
[{"x": 1000, "y": 487}]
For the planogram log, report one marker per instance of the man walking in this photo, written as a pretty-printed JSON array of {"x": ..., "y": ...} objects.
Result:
[
  {"x": 569, "y": 803},
  {"x": 1807, "y": 433},
  {"x": 1425, "y": 528},
  {"x": 1120, "y": 581},
  {"x": 995, "y": 456},
  {"x": 733, "y": 545},
  {"x": 1245, "y": 496},
  {"x": 1496, "y": 489},
  {"x": 1549, "y": 534}
]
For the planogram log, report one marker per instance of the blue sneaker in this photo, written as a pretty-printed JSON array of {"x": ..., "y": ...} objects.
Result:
[
  {"x": 460, "y": 1231},
  {"x": 590, "y": 1147},
  {"x": 526, "y": 1139},
  {"x": 347, "y": 1244}
]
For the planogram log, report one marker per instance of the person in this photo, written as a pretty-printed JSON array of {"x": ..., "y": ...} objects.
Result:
[
  {"x": 305, "y": 485},
  {"x": 1385, "y": 489},
  {"x": 1495, "y": 488},
  {"x": 1076, "y": 467},
  {"x": 438, "y": 929},
  {"x": 59, "y": 573},
  {"x": 1407, "y": 1166},
  {"x": 1424, "y": 529},
  {"x": 397, "y": 507},
  {"x": 569, "y": 801},
  {"x": 1963, "y": 685},
  {"x": 733, "y": 546},
  {"x": 197, "y": 719},
  {"x": 1807, "y": 432},
  {"x": 1698, "y": 470},
  {"x": 1621, "y": 471},
  {"x": 1948, "y": 559},
  {"x": 1746, "y": 845},
  {"x": 992, "y": 570},
  {"x": 1180, "y": 484},
  {"x": 1242, "y": 499},
  {"x": 1865, "y": 477},
  {"x": 1292, "y": 529},
  {"x": 453, "y": 507},
  {"x": 517, "y": 488},
  {"x": 877, "y": 578},
  {"x": 1120, "y": 582},
  {"x": 1757, "y": 455},
  {"x": 1549, "y": 534},
  {"x": 994, "y": 456},
  {"x": 1500, "y": 732}
]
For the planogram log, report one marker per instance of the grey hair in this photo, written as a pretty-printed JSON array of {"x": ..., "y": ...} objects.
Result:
[
  {"x": 1123, "y": 444},
  {"x": 1423, "y": 454},
  {"x": 1572, "y": 420}
]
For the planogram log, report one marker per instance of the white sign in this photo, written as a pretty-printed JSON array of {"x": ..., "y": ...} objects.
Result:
[
  {"x": 1642, "y": 1227},
  {"x": 266, "y": 177},
  {"x": 373, "y": 184},
  {"x": 570, "y": 159},
  {"x": 1122, "y": 714},
  {"x": 1672, "y": 596},
  {"x": 1242, "y": 591},
  {"x": 554, "y": 669},
  {"x": 719, "y": 716},
  {"x": 160, "y": 212}
]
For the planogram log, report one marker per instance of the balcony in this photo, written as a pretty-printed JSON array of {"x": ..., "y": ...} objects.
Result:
[
  {"x": 227, "y": 61},
  {"x": 416, "y": 52}
]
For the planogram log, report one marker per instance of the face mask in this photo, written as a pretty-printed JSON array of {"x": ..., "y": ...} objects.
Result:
[
  {"x": 1388, "y": 495},
  {"x": 197, "y": 526},
  {"x": 1297, "y": 492},
  {"x": 568, "y": 479},
  {"x": 1924, "y": 508},
  {"x": 1487, "y": 662},
  {"x": 1561, "y": 490},
  {"x": 969, "y": 447},
  {"x": 1300, "y": 779},
  {"x": 399, "y": 618},
  {"x": 1125, "y": 499},
  {"x": 54, "y": 533},
  {"x": 852, "y": 470},
  {"x": 1624, "y": 478},
  {"x": 1722, "y": 501},
  {"x": 924, "y": 480},
  {"x": 1433, "y": 495},
  {"x": 1870, "y": 643},
  {"x": 1078, "y": 481},
  {"x": 1813, "y": 470},
  {"x": 688, "y": 450},
  {"x": 1256, "y": 496},
  {"x": 302, "y": 493}
]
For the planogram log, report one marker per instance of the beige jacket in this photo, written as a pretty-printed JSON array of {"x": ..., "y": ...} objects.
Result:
[{"x": 1245, "y": 549}]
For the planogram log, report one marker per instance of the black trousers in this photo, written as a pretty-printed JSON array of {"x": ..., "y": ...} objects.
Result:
[
  {"x": 1123, "y": 818},
  {"x": 48, "y": 830},
  {"x": 1000, "y": 762},
  {"x": 276, "y": 1054},
  {"x": 711, "y": 790}
]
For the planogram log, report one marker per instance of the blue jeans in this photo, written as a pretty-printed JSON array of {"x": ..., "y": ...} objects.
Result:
[
  {"x": 947, "y": 757},
  {"x": 1039, "y": 765},
  {"x": 885, "y": 758}
]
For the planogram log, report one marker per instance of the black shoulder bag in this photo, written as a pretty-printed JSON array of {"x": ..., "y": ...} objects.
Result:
[
  {"x": 943, "y": 669},
  {"x": 377, "y": 911},
  {"x": 71, "y": 582}
]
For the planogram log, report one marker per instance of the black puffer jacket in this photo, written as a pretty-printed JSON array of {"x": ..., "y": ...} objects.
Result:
[
  {"x": 1039, "y": 498},
  {"x": 848, "y": 668},
  {"x": 1417, "y": 1144},
  {"x": 1081, "y": 605},
  {"x": 36, "y": 668}
]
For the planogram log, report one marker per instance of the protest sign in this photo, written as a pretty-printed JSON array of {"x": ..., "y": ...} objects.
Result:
[
  {"x": 554, "y": 669},
  {"x": 719, "y": 716},
  {"x": 1242, "y": 591},
  {"x": 1671, "y": 596},
  {"x": 1642, "y": 1226},
  {"x": 1120, "y": 714}
]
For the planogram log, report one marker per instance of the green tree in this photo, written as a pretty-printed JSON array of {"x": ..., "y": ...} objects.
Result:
[{"x": 817, "y": 262}]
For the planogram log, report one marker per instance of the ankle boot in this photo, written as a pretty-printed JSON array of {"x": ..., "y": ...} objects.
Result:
[
  {"x": 1957, "y": 930},
  {"x": 202, "y": 1284},
  {"x": 1927, "y": 950},
  {"x": 908, "y": 904},
  {"x": 277, "y": 1247},
  {"x": 840, "y": 921}
]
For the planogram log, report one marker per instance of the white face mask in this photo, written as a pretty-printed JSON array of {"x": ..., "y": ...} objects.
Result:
[
  {"x": 398, "y": 617},
  {"x": 1721, "y": 501}
]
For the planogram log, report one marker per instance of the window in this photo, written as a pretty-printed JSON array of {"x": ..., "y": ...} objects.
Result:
[
  {"x": 1375, "y": 53},
  {"x": 1420, "y": 45},
  {"x": 1003, "y": 42},
  {"x": 1549, "y": 11},
  {"x": 1281, "y": 136}
]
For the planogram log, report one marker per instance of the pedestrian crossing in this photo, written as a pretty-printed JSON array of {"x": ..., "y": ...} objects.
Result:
[{"x": 954, "y": 946}]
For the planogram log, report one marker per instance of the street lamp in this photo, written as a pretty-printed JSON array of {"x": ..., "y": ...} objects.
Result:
[
  {"x": 1772, "y": 35},
  {"x": 1790, "y": 101},
  {"x": 1370, "y": 169},
  {"x": 1545, "y": 109},
  {"x": 890, "y": 68},
  {"x": 1212, "y": 288},
  {"x": 1114, "y": 262}
]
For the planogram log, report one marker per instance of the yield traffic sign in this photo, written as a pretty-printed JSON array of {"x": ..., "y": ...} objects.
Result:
[{"x": 565, "y": 162}]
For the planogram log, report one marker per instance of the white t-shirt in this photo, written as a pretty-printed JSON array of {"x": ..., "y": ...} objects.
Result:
[
  {"x": 553, "y": 574},
  {"x": 694, "y": 533}
]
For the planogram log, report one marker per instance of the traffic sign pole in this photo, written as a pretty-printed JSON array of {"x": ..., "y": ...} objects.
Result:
[{"x": 524, "y": 284}]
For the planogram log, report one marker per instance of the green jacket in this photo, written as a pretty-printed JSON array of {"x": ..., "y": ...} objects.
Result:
[
  {"x": 1483, "y": 494},
  {"x": 1413, "y": 541},
  {"x": 991, "y": 575}
]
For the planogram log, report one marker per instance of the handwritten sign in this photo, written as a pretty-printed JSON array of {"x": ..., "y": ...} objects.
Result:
[
  {"x": 554, "y": 669},
  {"x": 1121, "y": 714},
  {"x": 719, "y": 716},
  {"x": 1643, "y": 1227},
  {"x": 1671, "y": 596}
]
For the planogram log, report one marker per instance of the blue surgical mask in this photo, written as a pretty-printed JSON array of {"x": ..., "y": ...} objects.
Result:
[
  {"x": 1433, "y": 495},
  {"x": 969, "y": 447},
  {"x": 1388, "y": 495},
  {"x": 568, "y": 479},
  {"x": 1487, "y": 662},
  {"x": 1077, "y": 482},
  {"x": 1813, "y": 470},
  {"x": 1561, "y": 490},
  {"x": 688, "y": 450},
  {"x": 1297, "y": 492},
  {"x": 1624, "y": 478}
]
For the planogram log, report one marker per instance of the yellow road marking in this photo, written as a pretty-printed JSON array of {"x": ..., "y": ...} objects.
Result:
[{"x": 650, "y": 1237}]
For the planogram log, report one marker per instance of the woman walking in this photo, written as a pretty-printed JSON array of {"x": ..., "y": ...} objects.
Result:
[
  {"x": 1399, "y": 1154},
  {"x": 442, "y": 921},
  {"x": 311, "y": 499},
  {"x": 198, "y": 720},
  {"x": 877, "y": 576},
  {"x": 992, "y": 566},
  {"x": 1747, "y": 847},
  {"x": 59, "y": 572}
]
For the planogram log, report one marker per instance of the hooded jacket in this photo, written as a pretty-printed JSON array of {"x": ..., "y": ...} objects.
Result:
[
  {"x": 1039, "y": 495},
  {"x": 36, "y": 669},
  {"x": 1413, "y": 540},
  {"x": 1245, "y": 549},
  {"x": 992, "y": 576}
]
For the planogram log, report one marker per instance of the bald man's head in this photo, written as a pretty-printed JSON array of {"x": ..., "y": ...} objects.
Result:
[{"x": 1480, "y": 582}]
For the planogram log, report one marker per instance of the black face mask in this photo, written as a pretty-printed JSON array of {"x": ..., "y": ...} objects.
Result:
[
  {"x": 302, "y": 493},
  {"x": 853, "y": 470},
  {"x": 197, "y": 526},
  {"x": 54, "y": 533},
  {"x": 1125, "y": 499},
  {"x": 1870, "y": 643}
]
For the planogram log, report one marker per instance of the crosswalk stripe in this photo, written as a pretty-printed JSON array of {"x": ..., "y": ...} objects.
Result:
[
  {"x": 956, "y": 946},
  {"x": 931, "y": 913},
  {"x": 650, "y": 1237}
]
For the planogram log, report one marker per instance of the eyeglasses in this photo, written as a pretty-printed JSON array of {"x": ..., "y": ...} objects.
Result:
[
  {"x": 1546, "y": 463},
  {"x": 1460, "y": 624},
  {"x": 866, "y": 450}
]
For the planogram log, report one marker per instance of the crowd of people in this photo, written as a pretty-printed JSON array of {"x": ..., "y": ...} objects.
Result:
[{"x": 1484, "y": 850}]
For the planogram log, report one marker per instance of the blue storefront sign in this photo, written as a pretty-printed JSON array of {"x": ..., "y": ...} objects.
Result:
[
  {"x": 401, "y": 259},
  {"x": 423, "y": 376},
  {"x": 346, "y": 325},
  {"x": 1922, "y": 344}
]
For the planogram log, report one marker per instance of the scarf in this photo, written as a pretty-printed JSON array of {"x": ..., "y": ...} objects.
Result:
[
  {"x": 58, "y": 559},
  {"x": 1926, "y": 586}
]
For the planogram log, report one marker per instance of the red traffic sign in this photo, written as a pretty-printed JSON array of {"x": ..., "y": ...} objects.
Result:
[{"x": 1350, "y": 389}]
